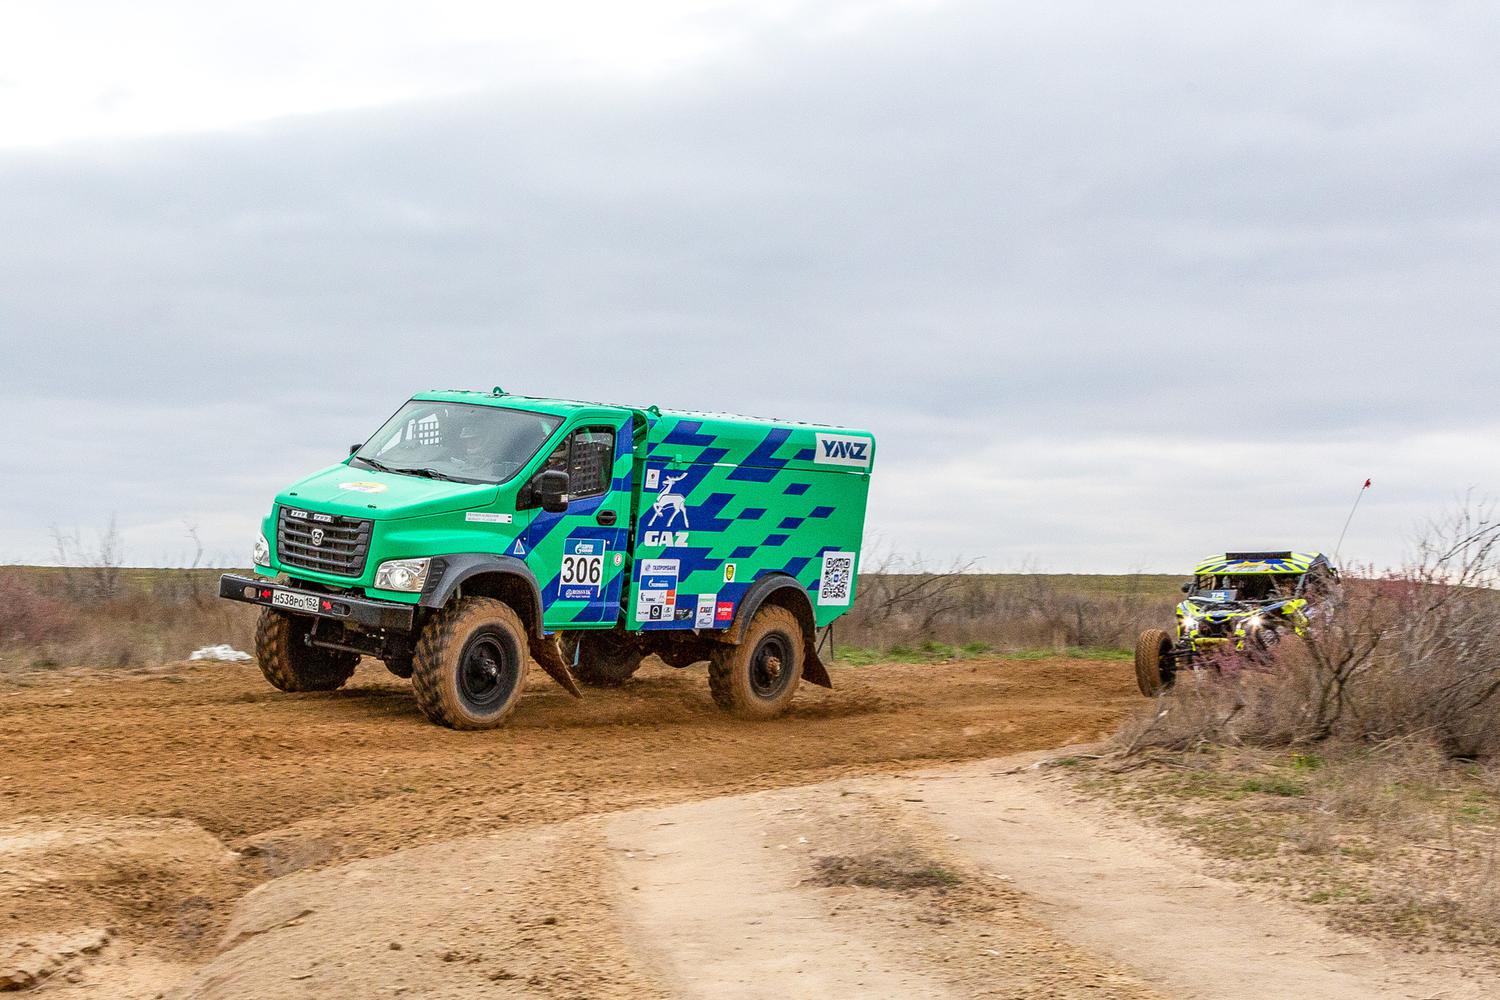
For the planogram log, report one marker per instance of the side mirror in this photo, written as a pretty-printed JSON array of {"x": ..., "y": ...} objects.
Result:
[
  {"x": 353, "y": 448},
  {"x": 552, "y": 490},
  {"x": 1187, "y": 588}
]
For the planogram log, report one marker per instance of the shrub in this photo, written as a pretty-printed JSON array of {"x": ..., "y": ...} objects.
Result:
[{"x": 1408, "y": 655}]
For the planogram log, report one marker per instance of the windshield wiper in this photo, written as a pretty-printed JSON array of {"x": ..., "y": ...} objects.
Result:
[
  {"x": 404, "y": 471},
  {"x": 427, "y": 474}
]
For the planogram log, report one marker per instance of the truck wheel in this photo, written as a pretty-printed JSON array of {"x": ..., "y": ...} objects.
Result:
[
  {"x": 757, "y": 678},
  {"x": 292, "y": 665},
  {"x": 604, "y": 659},
  {"x": 470, "y": 664},
  {"x": 1153, "y": 662}
]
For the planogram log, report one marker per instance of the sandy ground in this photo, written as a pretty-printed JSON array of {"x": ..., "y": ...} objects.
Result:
[
  {"x": 639, "y": 845},
  {"x": 149, "y": 803}
]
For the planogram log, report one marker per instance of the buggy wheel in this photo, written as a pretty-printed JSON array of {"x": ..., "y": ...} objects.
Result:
[
  {"x": 470, "y": 664},
  {"x": 757, "y": 678},
  {"x": 602, "y": 659},
  {"x": 289, "y": 663},
  {"x": 1154, "y": 671}
]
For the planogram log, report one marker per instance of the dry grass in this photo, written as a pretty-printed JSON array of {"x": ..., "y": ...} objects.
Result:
[
  {"x": 58, "y": 618},
  {"x": 895, "y": 871},
  {"x": 1360, "y": 767},
  {"x": 1006, "y": 612},
  {"x": 1396, "y": 840},
  {"x": 111, "y": 617}
]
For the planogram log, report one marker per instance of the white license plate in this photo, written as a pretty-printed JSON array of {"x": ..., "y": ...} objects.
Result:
[{"x": 295, "y": 602}]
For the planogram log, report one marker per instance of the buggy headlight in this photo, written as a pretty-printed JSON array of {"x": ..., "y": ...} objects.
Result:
[
  {"x": 1189, "y": 623},
  {"x": 262, "y": 556},
  {"x": 402, "y": 574},
  {"x": 1255, "y": 621}
]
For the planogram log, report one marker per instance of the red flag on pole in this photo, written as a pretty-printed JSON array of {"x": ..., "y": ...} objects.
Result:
[{"x": 1367, "y": 484}]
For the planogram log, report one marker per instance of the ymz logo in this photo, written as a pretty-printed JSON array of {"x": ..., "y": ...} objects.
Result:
[
  {"x": 674, "y": 505},
  {"x": 841, "y": 449}
]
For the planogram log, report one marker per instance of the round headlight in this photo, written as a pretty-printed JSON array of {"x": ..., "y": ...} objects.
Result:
[
  {"x": 1189, "y": 623},
  {"x": 262, "y": 554},
  {"x": 407, "y": 575}
]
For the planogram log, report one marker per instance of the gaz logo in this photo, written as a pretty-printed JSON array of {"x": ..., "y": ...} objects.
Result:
[
  {"x": 664, "y": 538},
  {"x": 841, "y": 449}
]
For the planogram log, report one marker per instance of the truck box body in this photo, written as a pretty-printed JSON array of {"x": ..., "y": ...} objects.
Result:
[{"x": 722, "y": 501}]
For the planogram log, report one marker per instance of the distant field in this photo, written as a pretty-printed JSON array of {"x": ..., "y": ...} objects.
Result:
[{"x": 52, "y": 616}]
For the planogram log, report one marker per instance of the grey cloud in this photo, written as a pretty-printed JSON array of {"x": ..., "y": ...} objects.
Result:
[{"x": 1051, "y": 225}]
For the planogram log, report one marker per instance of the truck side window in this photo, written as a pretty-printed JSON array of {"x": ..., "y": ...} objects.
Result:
[
  {"x": 591, "y": 459},
  {"x": 587, "y": 456}
]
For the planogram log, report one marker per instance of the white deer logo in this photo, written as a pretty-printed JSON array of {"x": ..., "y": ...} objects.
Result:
[{"x": 667, "y": 500}]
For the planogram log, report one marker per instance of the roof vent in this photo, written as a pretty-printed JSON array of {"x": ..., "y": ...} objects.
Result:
[{"x": 497, "y": 391}]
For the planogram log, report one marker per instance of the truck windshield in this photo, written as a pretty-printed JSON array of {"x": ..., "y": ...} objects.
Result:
[{"x": 457, "y": 441}]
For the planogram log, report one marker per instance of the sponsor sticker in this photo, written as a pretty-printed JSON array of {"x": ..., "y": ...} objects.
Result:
[
  {"x": 657, "y": 598},
  {"x": 485, "y": 517},
  {"x": 363, "y": 487},
  {"x": 842, "y": 449},
  {"x": 724, "y": 612},
  {"x": 729, "y": 572},
  {"x": 653, "y": 478},
  {"x": 582, "y": 569},
  {"x": 705, "y": 617},
  {"x": 836, "y": 587}
]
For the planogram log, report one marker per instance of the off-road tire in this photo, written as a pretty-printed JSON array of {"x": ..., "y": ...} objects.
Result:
[
  {"x": 1153, "y": 662},
  {"x": 602, "y": 659},
  {"x": 292, "y": 665},
  {"x": 737, "y": 677},
  {"x": 450, "y": 663}
]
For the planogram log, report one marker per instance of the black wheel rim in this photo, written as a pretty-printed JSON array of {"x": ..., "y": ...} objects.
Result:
[
  {"x": 771, "y": 666},
  {"x": 487, "y": 671}
]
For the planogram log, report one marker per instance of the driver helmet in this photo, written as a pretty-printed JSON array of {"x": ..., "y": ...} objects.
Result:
[{"x": 473, "y": 440}]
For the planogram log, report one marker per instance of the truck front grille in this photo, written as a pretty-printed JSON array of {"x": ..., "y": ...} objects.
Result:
[{"x": 327, "y": 543}]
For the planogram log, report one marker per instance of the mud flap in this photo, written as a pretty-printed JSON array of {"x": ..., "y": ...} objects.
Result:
[
  {"x": 548, "y": 655},
  {"x": 813, "y": 670}
]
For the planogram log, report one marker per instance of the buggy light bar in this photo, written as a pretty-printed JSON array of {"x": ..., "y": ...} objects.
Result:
[{"x": 1255, "y": 556}]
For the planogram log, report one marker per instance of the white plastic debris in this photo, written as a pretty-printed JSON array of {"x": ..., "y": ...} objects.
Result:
[{"x": 224, "y": 652}]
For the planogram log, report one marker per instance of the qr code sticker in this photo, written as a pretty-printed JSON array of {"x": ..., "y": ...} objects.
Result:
[{"x": 837, "y": 584}]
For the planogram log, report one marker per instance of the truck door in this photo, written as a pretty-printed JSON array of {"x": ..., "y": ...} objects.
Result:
[{"x": 578, "y": 556}]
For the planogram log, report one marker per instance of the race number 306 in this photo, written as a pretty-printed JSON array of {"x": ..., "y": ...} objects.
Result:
[{"x": 582, "y": 569}]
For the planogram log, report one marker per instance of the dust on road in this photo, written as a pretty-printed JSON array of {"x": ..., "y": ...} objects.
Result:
[{"x": 209, "y": 755}]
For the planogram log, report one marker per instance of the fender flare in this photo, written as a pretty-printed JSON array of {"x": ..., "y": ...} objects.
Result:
[
  {"x": 813, "y": 669},
  {"x": 446, "y": 573}
]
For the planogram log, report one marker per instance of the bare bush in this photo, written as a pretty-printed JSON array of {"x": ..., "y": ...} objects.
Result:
[
  {"x": 90, "y": 572},
  {"x": 912, "y": 602},
  {"x": 1414, "y": 654}
]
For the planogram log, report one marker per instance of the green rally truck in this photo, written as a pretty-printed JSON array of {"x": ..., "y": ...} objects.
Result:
[{"x": 476, "y": 532}]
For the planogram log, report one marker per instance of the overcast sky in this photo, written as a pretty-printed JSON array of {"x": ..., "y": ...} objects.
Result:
[{"x": 1115, "y": 286}]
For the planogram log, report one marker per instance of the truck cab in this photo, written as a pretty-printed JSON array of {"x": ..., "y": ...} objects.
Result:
[{"x": 477, "y": 532}]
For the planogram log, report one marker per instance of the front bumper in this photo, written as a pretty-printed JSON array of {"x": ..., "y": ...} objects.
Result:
[{"x": 361, "y": 611}]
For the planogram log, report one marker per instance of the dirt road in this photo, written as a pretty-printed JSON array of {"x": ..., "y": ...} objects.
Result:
[
  {"x": 190, "y": 834},
  {"x": 122, "y": 796}
]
